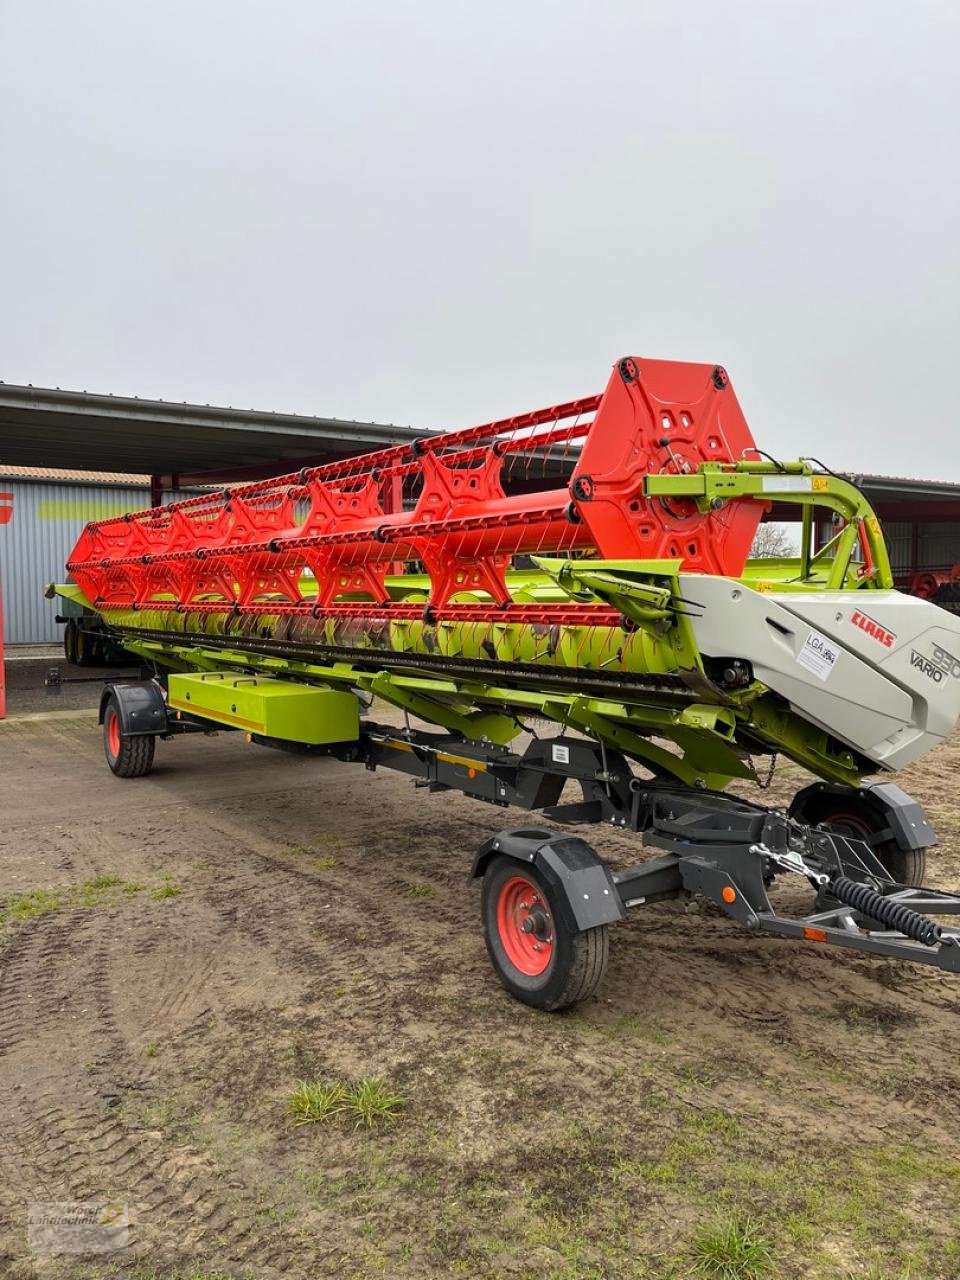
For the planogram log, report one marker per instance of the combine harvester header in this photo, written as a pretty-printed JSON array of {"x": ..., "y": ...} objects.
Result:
[{"x": 472, "y": 581}]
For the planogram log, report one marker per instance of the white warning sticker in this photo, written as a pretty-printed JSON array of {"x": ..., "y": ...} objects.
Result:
[
  {"x": 560, "y": 753},
  {"x": 786, "y": 484},
  {"x": 818, "y": 655}
]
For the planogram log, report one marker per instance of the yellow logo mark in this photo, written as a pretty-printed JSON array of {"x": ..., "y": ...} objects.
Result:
[
  {"x": 820, "y": 483},
  {"x": 80, "y": 511}
]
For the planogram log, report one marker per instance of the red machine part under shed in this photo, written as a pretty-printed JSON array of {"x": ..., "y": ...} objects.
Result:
[{"x": 441, "y": 501}]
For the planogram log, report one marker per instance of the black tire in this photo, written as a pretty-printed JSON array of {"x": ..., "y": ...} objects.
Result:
[
  {"x": 70, "y": 642},
  {"x": 577, "y": 961},
  {"x": 86, "y": 649},
  {"x": 851, "y": 816},
  {"x": 128, "y": 757}
]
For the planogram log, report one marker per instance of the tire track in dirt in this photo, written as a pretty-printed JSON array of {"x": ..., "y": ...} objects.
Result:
[
  {"x": 176, "y": 1198},
  {"x": 47, "y": 947},
  {"x": 86, "y": 1148}
]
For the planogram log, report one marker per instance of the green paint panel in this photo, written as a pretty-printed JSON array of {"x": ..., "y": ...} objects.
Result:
[{"x": 273, "y": 708}]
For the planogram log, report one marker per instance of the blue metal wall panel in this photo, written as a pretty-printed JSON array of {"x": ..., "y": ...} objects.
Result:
[{"x": 35, "y": 543}]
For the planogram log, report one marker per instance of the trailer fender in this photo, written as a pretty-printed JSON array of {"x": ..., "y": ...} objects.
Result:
[
  {"x": 140, "y": 704},
  {"x": 902, "y": 814},
  {"x": 582, "y": 882}
]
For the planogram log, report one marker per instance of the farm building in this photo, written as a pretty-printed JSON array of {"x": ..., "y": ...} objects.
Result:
[{"x": 67, "y": 457}]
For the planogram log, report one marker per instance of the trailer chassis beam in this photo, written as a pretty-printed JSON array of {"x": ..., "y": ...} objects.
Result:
[{"x": 725, "y": 849}]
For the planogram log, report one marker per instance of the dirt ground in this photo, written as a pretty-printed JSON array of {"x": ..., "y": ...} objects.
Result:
[{"x": 178, "y": 952}]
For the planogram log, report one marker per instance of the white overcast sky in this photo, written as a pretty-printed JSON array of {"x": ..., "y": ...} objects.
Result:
[{"x": 435, "y": 212}]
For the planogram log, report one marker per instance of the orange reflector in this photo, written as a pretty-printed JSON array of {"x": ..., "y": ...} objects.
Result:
[
  {"x": 815, "y": 935},
  {"x": 471, "y": 773},
  {"x": 728, "y": 894}
]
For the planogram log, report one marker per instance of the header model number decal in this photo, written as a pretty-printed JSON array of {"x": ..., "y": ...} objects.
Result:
[{"x": 939, "y": 664}]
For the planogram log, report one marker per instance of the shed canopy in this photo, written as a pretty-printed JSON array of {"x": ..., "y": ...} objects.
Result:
[{"x": 42, "y": 427}]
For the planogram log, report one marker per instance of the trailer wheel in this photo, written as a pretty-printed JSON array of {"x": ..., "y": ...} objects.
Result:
[
  {"x": 85, "y": 647},
  {"x": 70, "y": 642},
  {"x": 859, "y": 821},
  {"x": 538, "y": 958},
  {"x": 128, "y": 757}
]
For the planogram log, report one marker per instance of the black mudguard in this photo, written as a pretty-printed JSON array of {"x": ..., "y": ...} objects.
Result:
[
  {"x": 141, "y": 705},
  {"x": 582, "y": 882},
  {"x": 902, "y": 814}
]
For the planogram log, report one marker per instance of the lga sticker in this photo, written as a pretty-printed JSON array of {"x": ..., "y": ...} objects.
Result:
[{"x": 818, "y": 655}]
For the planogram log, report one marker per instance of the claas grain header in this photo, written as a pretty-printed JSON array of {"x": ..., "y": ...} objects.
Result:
[{"x": 565, "y": 596}]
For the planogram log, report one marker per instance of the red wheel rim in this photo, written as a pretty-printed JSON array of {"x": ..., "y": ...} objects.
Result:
[
  {"x": 848, "y": 824},
  {"x": 113, "y": 733},
  {"x": 525, "y": 926}
]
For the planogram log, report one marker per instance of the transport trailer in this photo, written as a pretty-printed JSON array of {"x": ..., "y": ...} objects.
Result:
[
  {"x": 462, "y": 579},
  {"x": 548, "y": 898}
]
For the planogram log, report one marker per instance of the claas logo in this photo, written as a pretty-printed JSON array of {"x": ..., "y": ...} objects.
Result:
[
  {"x": 6, "y": 508},
  {"x": 872, "y": 628}
]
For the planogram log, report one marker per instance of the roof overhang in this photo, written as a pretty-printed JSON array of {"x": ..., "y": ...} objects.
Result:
[{"x": 79, "y": 430}]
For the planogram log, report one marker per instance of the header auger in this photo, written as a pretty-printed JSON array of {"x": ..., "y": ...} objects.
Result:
[{"x": 587, "y": 565}]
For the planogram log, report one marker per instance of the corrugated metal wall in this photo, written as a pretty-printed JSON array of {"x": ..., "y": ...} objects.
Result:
[
  {"x": 899, "y": 538},
  {"x": 34, "y": 545},
  {"x": 939, "y": 544}
]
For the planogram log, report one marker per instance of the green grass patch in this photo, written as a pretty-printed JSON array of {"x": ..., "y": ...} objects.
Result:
[
  {"x": 372, "y": 1101},
  {"x": 422, "y": 891},
  {"x": 860, "y": 1195},
  {"x": 368, "y": 1102},
  {"x": 166, "y": 890},
  {"x": 102, "y": 891},
  {"x": 731, "y": 1248},
  {"x": 312, "y": 1103},
  {"x": 28, "y": 906},
  {"x": 99, "y": 891},
  {"x": 301, "y": 851}
]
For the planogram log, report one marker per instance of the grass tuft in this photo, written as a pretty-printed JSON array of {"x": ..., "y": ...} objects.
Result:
[
  {"x": 731, "y": 1249},
  {"x": 166, "y": 890},
  {"x": 368, "y": 1102},
  {"x": 101, "y": 882},
  {"x": 28, "y": 906},
  {"x": 98, "y": 891},
  {"x": 422, "y": 891},
  {"x": 321, "y": 1100},
  {"x": 371, "y": 1101}
]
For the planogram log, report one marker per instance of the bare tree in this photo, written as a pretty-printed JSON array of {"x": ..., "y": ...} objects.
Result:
[{"x": 772, "y": 542}]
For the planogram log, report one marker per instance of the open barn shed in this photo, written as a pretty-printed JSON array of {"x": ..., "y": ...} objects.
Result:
[
  {"x": 921, "y": 524},
  {"x": 67, "y": 457}
]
